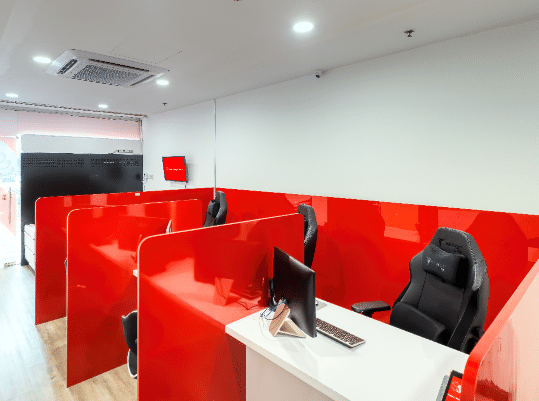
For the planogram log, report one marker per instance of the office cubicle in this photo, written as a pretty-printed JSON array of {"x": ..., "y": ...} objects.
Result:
[
  {"x": 191, "y": 285},
  {"x": 102, "y": 247},
  {"x": 51, "y": 239}
]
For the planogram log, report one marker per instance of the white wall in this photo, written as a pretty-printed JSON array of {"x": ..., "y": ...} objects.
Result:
[
  {"x": 75, "y": 144},
  {"x": 189, "y": 132},
  {"x": 451, "y": 124}
]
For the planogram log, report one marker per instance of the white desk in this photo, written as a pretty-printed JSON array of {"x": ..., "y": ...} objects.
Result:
[{"x": 391, "y": 365}]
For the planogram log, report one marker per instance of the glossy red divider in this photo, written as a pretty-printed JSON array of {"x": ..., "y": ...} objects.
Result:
[
  {"x": 191, "y": 285},
  {"x": 364, "y": 247},
  {"x": 504, "y": 363},
  {"x": 51, "y": 239},
  {"x": 102, "y": 248}
]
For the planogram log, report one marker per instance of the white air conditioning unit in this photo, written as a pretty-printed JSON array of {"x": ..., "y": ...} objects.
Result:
[{"x": 91, "y": 67}]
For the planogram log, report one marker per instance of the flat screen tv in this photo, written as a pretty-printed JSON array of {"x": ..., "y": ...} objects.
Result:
[{"x": 175, "y": 168}]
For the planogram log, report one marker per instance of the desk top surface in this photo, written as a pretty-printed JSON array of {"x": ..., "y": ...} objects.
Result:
[{"x": 392, "y": 364}]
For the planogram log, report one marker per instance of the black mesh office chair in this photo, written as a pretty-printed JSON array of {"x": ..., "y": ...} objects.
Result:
[
  {"x": 310, "y": 233},
  {"x": 446, "y": 299},
  {"x": 216, "y": 214}
]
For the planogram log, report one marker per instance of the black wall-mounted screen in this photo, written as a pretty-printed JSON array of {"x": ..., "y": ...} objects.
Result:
[{"x": 62, "y": 174}]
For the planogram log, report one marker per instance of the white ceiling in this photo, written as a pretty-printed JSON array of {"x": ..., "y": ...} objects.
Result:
[{"x": 215, "y": 48}]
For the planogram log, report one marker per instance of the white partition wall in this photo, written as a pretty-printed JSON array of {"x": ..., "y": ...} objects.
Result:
[{"x": 450, "y": 124}]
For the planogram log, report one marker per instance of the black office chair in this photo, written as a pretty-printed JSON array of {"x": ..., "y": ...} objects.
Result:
[
  {"x": 310, "y": 231},
  {"x": 129, "y": 324},
  {"x": 446, "y": 299},
  {"x": 216, "y": 214}
]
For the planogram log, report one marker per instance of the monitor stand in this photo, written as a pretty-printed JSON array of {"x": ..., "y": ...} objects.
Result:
[{"x": 282, "y": 324}]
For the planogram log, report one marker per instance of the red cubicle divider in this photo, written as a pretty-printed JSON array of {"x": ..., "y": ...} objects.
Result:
[
  {"x": 504, "y": 364},
  {"x": 191, "y": 285},
  {"x": 51, "y": 237},
  {"x": 364, "y": 247},
  {"x": 102, "y": 248}
]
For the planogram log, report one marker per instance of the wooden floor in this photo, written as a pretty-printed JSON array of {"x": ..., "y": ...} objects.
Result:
[{"x": 33, "y": 358}]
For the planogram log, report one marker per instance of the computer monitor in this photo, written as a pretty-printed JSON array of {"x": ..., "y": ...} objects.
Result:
[
  {"x": 175, "y": 168},
  {"x": 294, "y": 282}
]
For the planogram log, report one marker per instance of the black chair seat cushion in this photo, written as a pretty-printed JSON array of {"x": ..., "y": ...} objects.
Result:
[{"x": 408, "y": 318}]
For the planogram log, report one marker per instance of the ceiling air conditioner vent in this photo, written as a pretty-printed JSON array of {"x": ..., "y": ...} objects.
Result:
[{"x": 91, "y": 67}]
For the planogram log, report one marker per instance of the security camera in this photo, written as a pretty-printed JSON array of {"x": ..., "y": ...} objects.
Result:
[{"x": 318, "y": 73}]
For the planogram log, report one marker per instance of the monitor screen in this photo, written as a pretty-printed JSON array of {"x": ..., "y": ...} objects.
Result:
[
  {"x": 294, "y": 282},
  {"x": 175, "y": 168}
]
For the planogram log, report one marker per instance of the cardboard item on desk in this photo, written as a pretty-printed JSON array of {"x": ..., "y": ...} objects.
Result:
[{"x": 282, "y": 324}]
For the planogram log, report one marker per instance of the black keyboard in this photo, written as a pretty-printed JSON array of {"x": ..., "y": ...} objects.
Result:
[{"x": 337, "y": 334}]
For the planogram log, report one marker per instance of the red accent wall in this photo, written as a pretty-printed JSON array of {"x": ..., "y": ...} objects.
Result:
[{"x": 364, "y": 247}]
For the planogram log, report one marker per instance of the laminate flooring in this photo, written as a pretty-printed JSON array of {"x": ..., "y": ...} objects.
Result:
[{"x": 33, "y": 358}]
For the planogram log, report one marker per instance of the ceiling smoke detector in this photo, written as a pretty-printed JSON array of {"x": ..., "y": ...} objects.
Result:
[{"x": 92, "y": 67}]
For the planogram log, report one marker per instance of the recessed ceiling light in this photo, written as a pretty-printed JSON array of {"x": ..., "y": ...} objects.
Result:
[
  {"x": 303, "y": 27},
  {"x": 12, "y": 95},
  {"x": 44, "y": 60},
  {"x": 103, "y": 106},
  {"x": 162, "y": 82}
]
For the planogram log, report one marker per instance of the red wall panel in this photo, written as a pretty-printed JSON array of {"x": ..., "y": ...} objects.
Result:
[
  {"x": 51, "y": 238},
  {"x": 191, "y": 285},
  {"x": 364, "y": 247},
  {"x": 102, "y": 252}
]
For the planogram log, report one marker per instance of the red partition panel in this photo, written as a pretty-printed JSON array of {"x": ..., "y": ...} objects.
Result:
[
  {"x": 505, "y": 362},
  {"x": 51, "y": 237},
  {"x": 191, "y": 285},
  {"x": 102, "y": 252},
  {"x": 364, "y": 247}
]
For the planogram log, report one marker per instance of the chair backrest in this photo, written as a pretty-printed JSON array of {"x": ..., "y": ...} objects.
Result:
[
  {"x": 216, "y": 214},
  {"x": 129, "y": 324},
  {"x": 446, "y": 298},
  {"x": 310, "y": 233}
]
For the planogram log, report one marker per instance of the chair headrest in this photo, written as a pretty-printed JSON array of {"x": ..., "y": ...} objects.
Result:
[
  {"x": 456, "y": 241},
  {"x": 220, "y": 198},
  {"x": 442, "y": 264}
]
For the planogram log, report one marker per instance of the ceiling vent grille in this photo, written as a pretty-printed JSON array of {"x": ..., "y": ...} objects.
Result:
[{"x": 91, "y": 67}]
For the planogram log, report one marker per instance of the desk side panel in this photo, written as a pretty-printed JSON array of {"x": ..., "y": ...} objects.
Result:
[
  {"x": 51, "y": 239},
  {"x": 504, "y": 364},
  {"x": 102, "y": 253},
  {"x": 191, "y": 285}
]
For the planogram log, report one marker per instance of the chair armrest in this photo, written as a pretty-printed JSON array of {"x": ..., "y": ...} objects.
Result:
[{"x": 368, "y": 308}]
